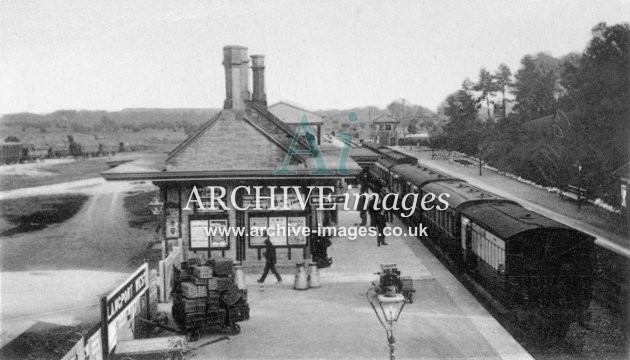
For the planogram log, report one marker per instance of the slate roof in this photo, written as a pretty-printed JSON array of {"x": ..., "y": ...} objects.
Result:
[
  {"x": 292, "y": 113},
  {"x": 247, "y": 143},
  {"x": 507, "y": 220},
  {"x": 385, "y": 119}
]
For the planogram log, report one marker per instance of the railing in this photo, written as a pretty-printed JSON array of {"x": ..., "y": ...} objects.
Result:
[{"x": 165, "y": 272}]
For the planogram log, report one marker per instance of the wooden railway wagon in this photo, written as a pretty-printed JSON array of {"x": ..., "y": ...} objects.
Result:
[
  {"x": 541, "y": 270},
  {"x": 58, "y": 151},
  {"x": 10, "y": 152},
  {"x": 33, "y": 153}
]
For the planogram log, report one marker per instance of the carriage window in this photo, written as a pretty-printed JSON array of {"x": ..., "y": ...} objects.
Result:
[{"x": 488, "y": 247}]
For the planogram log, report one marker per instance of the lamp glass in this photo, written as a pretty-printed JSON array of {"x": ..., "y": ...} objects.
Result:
[{"x": 391, "y": 306}]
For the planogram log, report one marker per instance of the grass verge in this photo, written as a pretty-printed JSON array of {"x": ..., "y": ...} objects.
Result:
[
  {"x": 36, "y": 213},
  {"x": 77, "y": 170}
]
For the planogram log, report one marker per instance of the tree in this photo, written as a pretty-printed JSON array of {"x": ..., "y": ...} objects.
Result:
[
  {"x": 537, "y": 86},
  {"x": 464, "y": 129},
  {"x": 412, "y": 129},
  {"x": 600, "y": 88},
  {"x": 487, "y": 87},
  {"x": 503, "y": 79}
]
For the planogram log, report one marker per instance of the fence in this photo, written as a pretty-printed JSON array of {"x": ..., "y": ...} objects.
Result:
[{"x": 165, "y": 269}]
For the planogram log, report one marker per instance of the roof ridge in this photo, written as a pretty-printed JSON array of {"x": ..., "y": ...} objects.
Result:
[
  {"x": 270, "y": 137},
  {"x": 279, "y": 123},
  {"x": 178, "y": 149}
]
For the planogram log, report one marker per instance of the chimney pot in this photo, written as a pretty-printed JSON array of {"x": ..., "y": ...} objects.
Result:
[
  {"x": 236, "y": 80},
  {"x": 258, "y": 68}
]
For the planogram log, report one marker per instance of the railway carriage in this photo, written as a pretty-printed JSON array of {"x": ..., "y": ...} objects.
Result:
[
  {"x": 443, "y": 226},
  {"x": 540, "y": 270},
  {"x": 409, "y": 180}
]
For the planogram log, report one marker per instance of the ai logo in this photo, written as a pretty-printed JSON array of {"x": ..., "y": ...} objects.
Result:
[{"x": 306, "y": 128}]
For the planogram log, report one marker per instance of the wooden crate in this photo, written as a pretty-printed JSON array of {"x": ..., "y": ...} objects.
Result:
[
  {"x": 202, "y": 272},
  {"x": 192, "y": 291}
]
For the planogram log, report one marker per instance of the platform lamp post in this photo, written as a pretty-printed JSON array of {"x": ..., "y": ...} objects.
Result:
[
  {"x": 156, "y": 209},
  {"x": 388, "y": 308}
]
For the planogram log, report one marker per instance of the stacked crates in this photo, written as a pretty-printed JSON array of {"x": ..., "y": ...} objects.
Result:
[{"x": 207, "y": 297}]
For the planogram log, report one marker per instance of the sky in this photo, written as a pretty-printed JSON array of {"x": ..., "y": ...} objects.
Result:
[{"x": 110, "y": 55}]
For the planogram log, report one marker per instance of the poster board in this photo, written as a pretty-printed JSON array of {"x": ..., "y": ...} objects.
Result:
[
  {"x": 277, "y": 226},
  {"x": 218, "y": 241},
  {"x": 172, "y": 222},
  {"x": 201, "y": 228},
  {"x": 257, "y": 238},
  {"x": 296, "y": 236},
  {"x": 198, "y": 234},
  {"x": 92, "y": 344},
  {"x": 278, "y": 230}
]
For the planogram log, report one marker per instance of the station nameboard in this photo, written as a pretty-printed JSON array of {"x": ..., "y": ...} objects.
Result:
[{"x": 120, "y": 304}]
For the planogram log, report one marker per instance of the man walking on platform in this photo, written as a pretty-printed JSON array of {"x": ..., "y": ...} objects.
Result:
[
  {"x": 361, "y": 205},
  {"x": 270, "y": 262}
]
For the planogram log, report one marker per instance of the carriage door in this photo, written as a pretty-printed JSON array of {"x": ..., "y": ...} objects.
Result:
[{"x": 466, "y": 238}]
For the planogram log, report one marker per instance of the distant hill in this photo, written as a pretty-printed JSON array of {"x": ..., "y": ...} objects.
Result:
[{"x": 99, "y": 120}]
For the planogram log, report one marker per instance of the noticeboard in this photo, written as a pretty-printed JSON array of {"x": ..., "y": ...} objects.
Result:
[
  {"x": 219, "y": 240},
  {"x": 283, "y": 229},
  {"x": 172, "y": 222},
  {"x": 209, "y": 231},
  {"x": 258, "y": 230},
  {"x": 278, "y": 230},
  {"x": 296, "y": 236},
  {"x": 198, "y": 234}
]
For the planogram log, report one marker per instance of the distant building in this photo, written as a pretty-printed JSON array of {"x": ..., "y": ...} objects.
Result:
[
  {"x": 292, "y": 114},
  {"x": 385, "y": 130}
]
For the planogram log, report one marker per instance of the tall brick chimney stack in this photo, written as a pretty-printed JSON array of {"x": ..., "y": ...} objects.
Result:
[
  {"x": 258, "y": 67},
  {"x": 235, "y": 61}
]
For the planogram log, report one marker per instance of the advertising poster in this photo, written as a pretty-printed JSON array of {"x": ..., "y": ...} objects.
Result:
[
  {"x": 198, "y": 234},
  {"x": 260, "y": 224},
  {"x": 279, "y": 226},
  {"x": 218, "y": 241},
  {"x": 172, "y": 222},
  {"x": 295, "y": 228}
]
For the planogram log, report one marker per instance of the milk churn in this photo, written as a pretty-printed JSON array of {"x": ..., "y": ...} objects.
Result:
[
  {"x": 239, "y": 277},
  {"x": 301, "y": 282},
  {"x": 313, "y": 276}
]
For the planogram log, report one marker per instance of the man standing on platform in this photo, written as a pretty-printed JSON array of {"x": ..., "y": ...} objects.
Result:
[
  {"x": 361, "y": 205},
  {"x": 270, "y": 262},
  {"x": 381, "y": 223}
]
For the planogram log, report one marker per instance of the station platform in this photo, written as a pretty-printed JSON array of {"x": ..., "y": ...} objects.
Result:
[{"x": 336, "y": 321}]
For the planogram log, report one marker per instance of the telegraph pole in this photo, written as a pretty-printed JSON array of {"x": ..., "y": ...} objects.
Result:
[{"x": 403, "y": 118}]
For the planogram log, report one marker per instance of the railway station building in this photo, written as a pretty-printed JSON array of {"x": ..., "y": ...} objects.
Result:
[{"x": 242, "y": 147}]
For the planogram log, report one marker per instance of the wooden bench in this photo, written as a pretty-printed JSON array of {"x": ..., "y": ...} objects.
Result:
[{"x": 575, "y": 193}]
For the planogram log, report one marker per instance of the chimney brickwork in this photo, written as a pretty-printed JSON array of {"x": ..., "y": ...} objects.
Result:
[
  {"x": 235, "y": 61},
  {"x": 258, "y": 68}
]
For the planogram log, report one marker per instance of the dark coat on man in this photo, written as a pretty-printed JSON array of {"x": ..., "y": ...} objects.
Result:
[{"x": 270, "y": 252}]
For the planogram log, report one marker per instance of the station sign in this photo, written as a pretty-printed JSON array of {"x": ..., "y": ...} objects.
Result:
[{"x": 119, "y": 307}]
